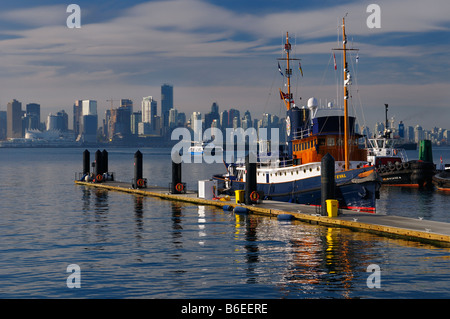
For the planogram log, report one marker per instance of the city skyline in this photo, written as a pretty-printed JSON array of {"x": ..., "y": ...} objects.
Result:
[
  {"x": 124, "y": 122},
  {"x": 215, "y": 51}
]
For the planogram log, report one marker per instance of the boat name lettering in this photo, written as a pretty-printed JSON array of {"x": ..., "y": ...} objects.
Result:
[{"x": 340, "y": 176}]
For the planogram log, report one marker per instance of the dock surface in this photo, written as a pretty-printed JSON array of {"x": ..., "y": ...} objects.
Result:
[{"x": 433, "y": 232}]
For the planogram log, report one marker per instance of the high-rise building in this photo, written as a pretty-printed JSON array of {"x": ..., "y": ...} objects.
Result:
[
  {"x": 89, "y": 107},
  {"x": 166, "y": 103},
  {"x": 77, "y": 108},
  {"x": 3, "y": 125},
  {"x": 33, "y": 116},
  {"x": 215, "y": 108},
  {"x": 418, "y": 133},
  {"x": 89, "y": 121},
  {"x": 173, "y": 118},
  {"x": 232, "y": 113},
  {"x": 149, "y": 109},
  {"x": 89, "y": 131},
  {"x": 196, "y": 125},
  {"x": 14, "y": 119},
  {"x": 224, "y": 119},
  {"x": 401, "y": 130},
  {"x": 136, "y": 118}
]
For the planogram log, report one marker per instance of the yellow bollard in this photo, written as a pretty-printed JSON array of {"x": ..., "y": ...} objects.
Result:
[
  {"x": 332, "y": 207},
  {"x": 239, "y": 196}
]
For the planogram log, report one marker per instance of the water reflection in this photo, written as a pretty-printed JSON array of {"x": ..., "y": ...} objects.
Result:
[
  {"x": 201, "y": 224},
  {"x": 139, "y": 219},
  {"x": 96, "y": 217},
  {"x": 177, "y": 226}
]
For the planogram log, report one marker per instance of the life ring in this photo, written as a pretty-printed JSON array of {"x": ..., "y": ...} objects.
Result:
[
  {"x": 140, "y": 182},
  {"x": 99, "y": 177},
  {"x": 179, "y": 187},
  {"x": 254, "y": 196}
]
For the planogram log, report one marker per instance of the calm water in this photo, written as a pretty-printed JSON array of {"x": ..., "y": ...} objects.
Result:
[{"x": 138, "y": 247}]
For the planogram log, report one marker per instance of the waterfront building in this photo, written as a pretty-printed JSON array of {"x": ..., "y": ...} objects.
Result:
[
  {"x": 52, "y": 122},
  {"x": 14, "y": 119},
  {"x": 166, "y": 104}
]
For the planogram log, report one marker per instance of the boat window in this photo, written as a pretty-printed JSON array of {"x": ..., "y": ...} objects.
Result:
[{"x": 330, "y": 141}]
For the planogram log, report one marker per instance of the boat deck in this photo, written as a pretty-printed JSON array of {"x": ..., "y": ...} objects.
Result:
[{"x": 434, "y": 232}]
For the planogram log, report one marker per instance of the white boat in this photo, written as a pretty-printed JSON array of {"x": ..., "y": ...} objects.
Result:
[{"x": 198, "y": 148}]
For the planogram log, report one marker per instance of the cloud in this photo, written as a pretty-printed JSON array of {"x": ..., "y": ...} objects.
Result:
[{"x": 195, "y": 44}]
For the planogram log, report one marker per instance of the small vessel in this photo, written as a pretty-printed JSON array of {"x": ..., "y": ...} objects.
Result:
[
  {"x": 392, "y": 163},
  {"x": 198, "y": 148},
  {"x": 312, "y": 133},
  {"x": 442, "y": 180}
]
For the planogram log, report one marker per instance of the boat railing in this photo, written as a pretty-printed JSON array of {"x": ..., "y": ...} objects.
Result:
[{"x": 299, "y": 134}]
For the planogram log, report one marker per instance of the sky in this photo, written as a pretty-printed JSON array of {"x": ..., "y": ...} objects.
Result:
[{"x": 226, "y": 52}]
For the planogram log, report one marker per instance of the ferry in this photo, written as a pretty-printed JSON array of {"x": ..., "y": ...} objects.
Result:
[
  {"x": 312, "y": 132},
  {"x": 198, "y": 148}
]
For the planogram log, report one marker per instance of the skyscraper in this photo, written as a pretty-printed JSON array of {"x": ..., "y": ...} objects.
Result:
[
  {"x": 89, "y": 107},
  {"x": 14, "y": 119},
  {"x": 89, "y": 121},
  {"x": 166, "y": 103},
  {"x": 77, "y": 106},
  {"x": 33, "y": 116},
  {"x": 149, "y": 109}
]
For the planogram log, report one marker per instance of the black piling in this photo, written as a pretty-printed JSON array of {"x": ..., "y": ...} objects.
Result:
[
  {"x": 105, "y": 162},
  {"x": 327, "y": 181},
  {"x": 138, "y": 170},
  {"x": 250, "y": 180},
  {"x": 176, "y": 186},
  {"x": 86, "y": 162},
  {"x": 98, "y": 168}
]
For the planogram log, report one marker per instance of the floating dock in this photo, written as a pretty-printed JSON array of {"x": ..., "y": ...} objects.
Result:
[{"x": 433, "y": 232}]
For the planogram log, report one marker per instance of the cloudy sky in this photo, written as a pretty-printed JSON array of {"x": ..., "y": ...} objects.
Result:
[{"x": 225, "y": 52}]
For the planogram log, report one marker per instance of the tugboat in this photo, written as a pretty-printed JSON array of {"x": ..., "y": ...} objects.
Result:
[
  {"x": 392, "y": 163},
  {"x": 312, "y": 133}
]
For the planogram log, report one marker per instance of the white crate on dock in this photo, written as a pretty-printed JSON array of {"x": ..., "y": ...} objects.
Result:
[{"x": 207, "y": 189}]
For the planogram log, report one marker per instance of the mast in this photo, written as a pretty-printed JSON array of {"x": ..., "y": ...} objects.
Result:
[
  {"x": 344, "y": 42},
  {"x": 347, "y": 82},
  {"x": 287, "y": 98},
  {"x": 287, "y": 48}
]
